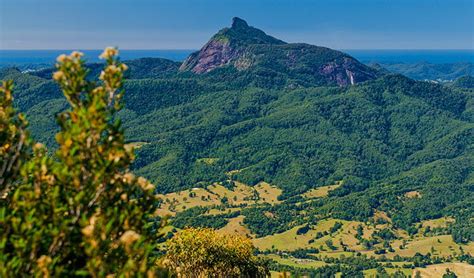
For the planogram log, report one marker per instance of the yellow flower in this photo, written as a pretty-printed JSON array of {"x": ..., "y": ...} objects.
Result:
[
  {"x": 144, "y": 184},
  {"x": 43, "y": 263},
  {"x": 98, "y": 90},
  {"x": 58, "y": 76},
  {"x": 149, "y": 187},
  {"x": 61, "y": 58},
  {"x": 109, "y": 52},
  {"x": 93, "y": 219},
  {"x": 88, "y": 230},
  {"x": 123, "y": 196},
  {"x": 68, "y": 142},
  {"x": 38, "y": 146},
  {"x": 128, "y": 178},
  {"x": 94, "y": 243},
  {"x": 166, "y": 262},
  {"x": 77, "y": 54},
  {"x": 112, "y": 69},
  {"x": 129, "y": 237}
]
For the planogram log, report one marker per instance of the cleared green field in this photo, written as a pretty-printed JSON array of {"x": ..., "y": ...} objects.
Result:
[
  {"x": 462, "y": 270},
  {"x": 240, "y": 194},
  {"x": 235, "y": 226},
  {"x": 268, "y": 193},
  {"x": 344, "y": 238},
  {"x": 438, "y": 223},
  {"x": 321, "y": 191},
  {"x": 290, "y": 240},
  {"x": 442, "y": 246},
  {"x": 372, "y": 273},
  {"x": 301, "y": 263}
]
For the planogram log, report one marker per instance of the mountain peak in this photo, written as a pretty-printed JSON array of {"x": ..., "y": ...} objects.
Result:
[
  {"x": 239, "y": 23},
  {"x": 246, "y": 48},
  {"x": 227, "y": 45},
  {"x": 240, "y": 33}
]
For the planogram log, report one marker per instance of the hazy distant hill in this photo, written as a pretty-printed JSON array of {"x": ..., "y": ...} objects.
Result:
[{"x": 430, "y": 71}]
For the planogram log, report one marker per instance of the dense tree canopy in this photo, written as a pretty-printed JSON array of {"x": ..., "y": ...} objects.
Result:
[
  {"x": 207, "y": 253},
  {"x": 383, "y": 138}
]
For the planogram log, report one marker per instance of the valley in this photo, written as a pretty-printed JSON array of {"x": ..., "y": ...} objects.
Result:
[
  {"x": 328, "y": 165},
  {"x": 328, "y": 240}
]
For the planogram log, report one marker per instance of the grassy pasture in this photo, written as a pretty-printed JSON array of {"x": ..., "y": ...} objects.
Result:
[
  {"x": 290, "y": 240},
  {"x": 321, "y": 192},
  {"x": 372, "y": 273},
  {"x": 235, "y": 226},
  {"x": 135, "y": 145},
  {"x": 264, "y": 193},
  {"x": 268, "y": 193},
  {"x": 442, "y": 246},
  {"x": 438, "y": 223},
  {"x": 240, "y": 194},
  {"x": 413, "y": 194},
  {"x": 462, "y": 270},
  {"x": 179, "y": 201},
  {"x": 301, "y": 263}
]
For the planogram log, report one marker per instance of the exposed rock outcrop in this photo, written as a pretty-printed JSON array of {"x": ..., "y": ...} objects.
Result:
[
  {"x": 226, "y": 46},
  {"x": 247, "y": 48}
]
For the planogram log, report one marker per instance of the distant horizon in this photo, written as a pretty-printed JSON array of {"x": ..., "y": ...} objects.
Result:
[
  {"x": 196, "y": 49},
  {"x": 20, "y": 57},
  {"x": 186, "y": 24}
]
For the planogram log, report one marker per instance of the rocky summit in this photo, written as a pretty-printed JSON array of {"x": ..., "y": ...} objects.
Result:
[{"x": 246, "y": 48}]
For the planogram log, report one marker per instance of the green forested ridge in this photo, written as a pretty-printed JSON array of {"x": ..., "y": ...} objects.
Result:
[
  {"x": 466, "y": 81},
  {"x": 382, "y": 138}
]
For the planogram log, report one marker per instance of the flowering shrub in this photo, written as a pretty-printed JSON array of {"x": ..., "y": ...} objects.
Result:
[
  {"x": 203, "y": 252},
  {"x": 14, "y": 141},
  {"x": 80, "y": 211}
]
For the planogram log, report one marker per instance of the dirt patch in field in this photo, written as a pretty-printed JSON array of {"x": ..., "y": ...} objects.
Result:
[{"x": 413, "y": 194}]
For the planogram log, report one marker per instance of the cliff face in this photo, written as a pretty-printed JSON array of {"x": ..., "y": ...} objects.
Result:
[
  {"x": 214, "y": 54},
  {"x": 349, "y": 72},
  {"x": 247, "y": 48},
  {"x": 226, "y": 46}
]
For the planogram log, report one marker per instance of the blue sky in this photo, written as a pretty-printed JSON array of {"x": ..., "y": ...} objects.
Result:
[{"x": 181, "y": 24}]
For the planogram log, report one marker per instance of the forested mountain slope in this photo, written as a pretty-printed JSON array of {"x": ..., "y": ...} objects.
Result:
[
  {"x": 244, "y": 48},
  {"x": 287, "y": 114}
]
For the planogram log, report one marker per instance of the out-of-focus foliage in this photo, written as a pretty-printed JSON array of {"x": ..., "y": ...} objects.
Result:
[
  {"x": 79, "y": 212},
  {"x": 14, "y": 141},
  {"x": 203, "y": 252}
]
